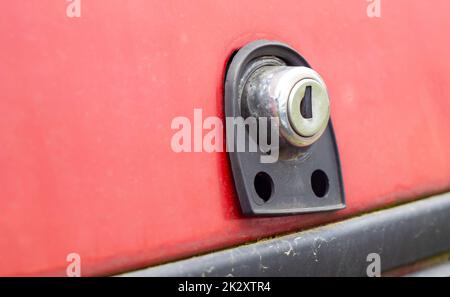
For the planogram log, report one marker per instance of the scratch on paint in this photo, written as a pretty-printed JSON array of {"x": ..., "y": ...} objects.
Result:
[
  {"x": 316, "y": 246},
  {"x": 291, "y": 249},
  {"x": 261, "y": 265}
]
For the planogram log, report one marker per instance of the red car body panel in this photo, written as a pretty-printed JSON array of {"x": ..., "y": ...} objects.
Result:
[{"x": 87, "y": 103}]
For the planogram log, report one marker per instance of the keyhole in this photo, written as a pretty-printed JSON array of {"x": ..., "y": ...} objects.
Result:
[{"x": 306, "y": 105}]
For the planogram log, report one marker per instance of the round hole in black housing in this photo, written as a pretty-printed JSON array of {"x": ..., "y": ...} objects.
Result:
[
  {"x": 263, "y": 186},
  {"x": 319, "y": 183}
]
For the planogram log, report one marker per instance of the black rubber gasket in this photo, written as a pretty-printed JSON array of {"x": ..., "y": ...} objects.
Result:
[{"x": 292, "y": 191}]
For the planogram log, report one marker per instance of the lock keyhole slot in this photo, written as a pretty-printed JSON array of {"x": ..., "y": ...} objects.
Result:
[{"x": 306, "y": 105}]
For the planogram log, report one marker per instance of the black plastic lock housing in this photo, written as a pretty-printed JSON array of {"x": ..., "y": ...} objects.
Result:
[{"x": 311, "y": 181}]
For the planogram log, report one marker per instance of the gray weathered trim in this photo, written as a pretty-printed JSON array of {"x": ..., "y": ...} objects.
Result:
[{"x": 400, "y": 235}]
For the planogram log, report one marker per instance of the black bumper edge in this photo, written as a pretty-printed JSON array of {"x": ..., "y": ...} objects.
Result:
[{"x": 400, "y": 235}]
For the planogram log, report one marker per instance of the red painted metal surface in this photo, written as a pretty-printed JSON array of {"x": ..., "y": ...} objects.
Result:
[{"x": 86, "y": 106}]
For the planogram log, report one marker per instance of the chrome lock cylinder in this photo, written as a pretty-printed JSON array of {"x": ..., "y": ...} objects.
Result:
[{"x": 297, "y": 96}]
